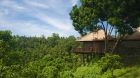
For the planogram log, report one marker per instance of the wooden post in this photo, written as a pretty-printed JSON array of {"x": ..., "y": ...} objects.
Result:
[
  {"x": 83, "y": 59},
  {"x": 87, "y": 58}
]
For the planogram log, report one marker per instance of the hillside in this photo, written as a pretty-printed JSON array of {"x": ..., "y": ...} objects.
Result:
[{"x": 52, "y": 57}]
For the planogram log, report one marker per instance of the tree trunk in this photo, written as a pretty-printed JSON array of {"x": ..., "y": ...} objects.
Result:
[
  {"x": 116, "y": 44},
  {"x": 106, "y": 42}
]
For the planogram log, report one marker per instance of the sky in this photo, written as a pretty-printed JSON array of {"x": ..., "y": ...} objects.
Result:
[{"x": 37, "y": 17}]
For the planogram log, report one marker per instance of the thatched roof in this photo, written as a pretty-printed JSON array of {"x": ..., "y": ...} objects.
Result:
[
  {"x": 135, "y": 35},
  {"x": 99, "y": 35}
]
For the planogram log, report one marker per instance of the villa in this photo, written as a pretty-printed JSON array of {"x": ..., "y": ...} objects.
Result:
[{"x": 94, "y": 42}]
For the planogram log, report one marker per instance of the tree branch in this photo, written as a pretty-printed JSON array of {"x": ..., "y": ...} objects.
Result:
[
  {"x": 111, "y": 30},
  {"x": 103, "y": 26},
  {"x": 107, "y": 27}
]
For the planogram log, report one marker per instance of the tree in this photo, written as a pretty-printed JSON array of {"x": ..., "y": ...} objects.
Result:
[
  {"x": 53, "y": 40},
  {"x": 5, "y": 39},
  {"x": 118, "y": 16},
  {"x": 5, "y": 35},
  {"x": 103, "y": 68},
  {"x": 110, "y": 62}
]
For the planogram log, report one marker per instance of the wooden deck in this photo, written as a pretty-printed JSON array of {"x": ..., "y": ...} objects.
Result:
[
  {"x": 100, "y": 50},
  {"x": 86, "y": 50}
]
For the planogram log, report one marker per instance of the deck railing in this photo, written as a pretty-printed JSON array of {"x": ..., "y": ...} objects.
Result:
[
  {"x": 101, "y": 50},
  {"x": 86, "y": 50}
]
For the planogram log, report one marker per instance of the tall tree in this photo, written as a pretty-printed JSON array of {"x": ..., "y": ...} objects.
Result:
[{"x": 119, "y": 16}]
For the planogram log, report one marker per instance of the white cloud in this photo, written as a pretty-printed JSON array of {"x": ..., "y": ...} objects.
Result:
[
  {"x": 36, "y": 4},
  {"x": 32, "y": 29},
  {"x": 74, "y": 2},
  {"x": 10, "y": 4},
  {"x": 25, "y": 28},
  {"x": 10, "y": 20},
  {"x": 30, "y": 9},
  {"x": 59, "y": 24}
]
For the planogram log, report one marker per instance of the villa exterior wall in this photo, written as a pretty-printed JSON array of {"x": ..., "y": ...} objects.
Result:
[
  {"x": 129, "y": 47},
  {"x": 125, "y": 47}
]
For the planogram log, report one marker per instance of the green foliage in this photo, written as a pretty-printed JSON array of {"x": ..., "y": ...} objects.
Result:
[
  {"x": 50, "y": 72},
  {"x": 110, "y": 62},
  {"x": 5, "y": 35},
  {"x": 101, "y": 69},
  {"x": 52, "y": 41},
  {"x": 5, "y": 42},
  {"x": 87, "y": 72},
  {"x": 66, "y": 74},
  {"x": 123, "y": 15},
  {"x": 9, "y": 71},
  {"x": 37, "y": 57}
]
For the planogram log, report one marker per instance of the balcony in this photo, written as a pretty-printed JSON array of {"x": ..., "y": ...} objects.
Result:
[{"x": 87, "y": 50}]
